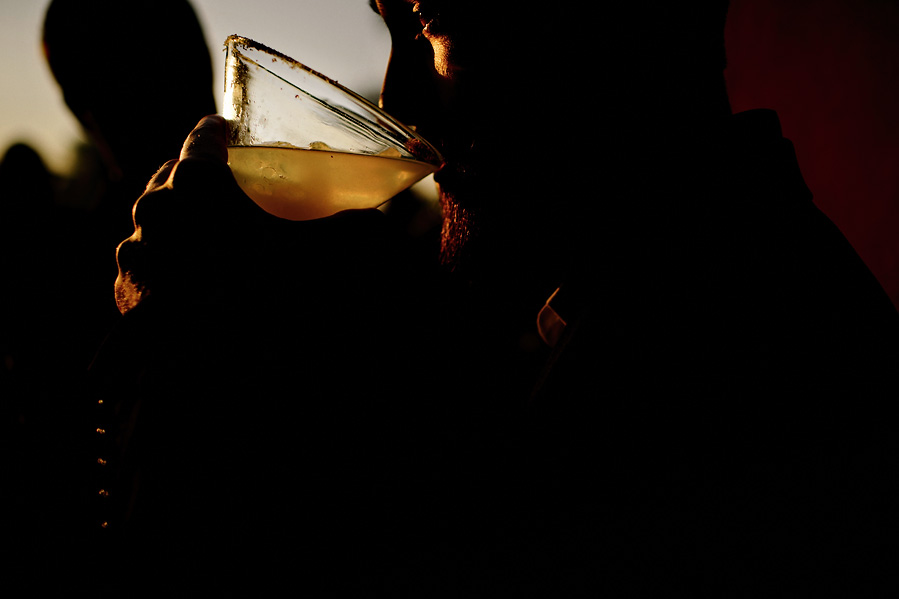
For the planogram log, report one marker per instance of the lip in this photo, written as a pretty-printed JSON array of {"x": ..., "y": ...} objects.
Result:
[
  {"x": 453, "y": 175},
  {"x": 428, "y": 15},
  {"x": 441, "y": 174}
]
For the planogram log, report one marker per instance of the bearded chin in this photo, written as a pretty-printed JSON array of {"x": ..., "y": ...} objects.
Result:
[{"x": 461, "y": 230}]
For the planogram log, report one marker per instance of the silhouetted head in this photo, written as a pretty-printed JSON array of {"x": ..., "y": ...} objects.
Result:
[
  {"x": 529, "y": 101},
  {"x": 27, "y": 186},
  {"x": 122, "y": 62}
]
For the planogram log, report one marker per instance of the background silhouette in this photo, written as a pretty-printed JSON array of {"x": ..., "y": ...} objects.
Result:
[{"x": 831, "y": 70}]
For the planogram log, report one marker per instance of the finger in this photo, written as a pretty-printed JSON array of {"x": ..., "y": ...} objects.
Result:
[
  {"x": 208, "y": 140},
  {"x": 161, "y": 176},
  {"x": 128, "y": 290}
]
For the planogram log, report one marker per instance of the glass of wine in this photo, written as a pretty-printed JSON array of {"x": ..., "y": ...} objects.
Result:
[{"x": 302, "y": 146}]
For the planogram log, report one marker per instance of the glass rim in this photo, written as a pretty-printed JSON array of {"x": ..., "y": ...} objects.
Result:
[{"x": 248, "y": 43}]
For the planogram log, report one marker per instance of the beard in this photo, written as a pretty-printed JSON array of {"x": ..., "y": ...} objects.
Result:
[
  {"x": 494, "y": 226},
  {"x": 499, "y": 205},
  {"x": 460, "y": 228},
  {"x": 469, "y": 204}
]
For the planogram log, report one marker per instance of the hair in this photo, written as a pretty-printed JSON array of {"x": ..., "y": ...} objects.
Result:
[
  {"x": 116, "y": 61},
  {"x": 97, "y": 46}
]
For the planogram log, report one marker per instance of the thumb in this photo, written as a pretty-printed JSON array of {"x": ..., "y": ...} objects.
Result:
[{"x": 207, "y": 141}]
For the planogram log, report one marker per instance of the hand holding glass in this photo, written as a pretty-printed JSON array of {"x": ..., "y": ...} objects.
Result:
[{"x": 302, "y": 146}]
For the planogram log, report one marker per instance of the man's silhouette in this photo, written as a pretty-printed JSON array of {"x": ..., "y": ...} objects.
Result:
[{"x": 704, "y": 408}]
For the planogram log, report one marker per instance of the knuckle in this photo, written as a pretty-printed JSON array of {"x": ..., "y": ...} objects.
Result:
[
  {"x": 147, "y": 208},
  {"x": 198, "y": 173},
  {"x": 129, "y": 254}
]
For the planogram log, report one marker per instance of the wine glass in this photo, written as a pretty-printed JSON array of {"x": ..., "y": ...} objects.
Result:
[{"x": 302, "y": 146}]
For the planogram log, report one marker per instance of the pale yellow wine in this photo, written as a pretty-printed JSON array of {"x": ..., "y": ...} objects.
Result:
[{"x": 303, "y": 184}]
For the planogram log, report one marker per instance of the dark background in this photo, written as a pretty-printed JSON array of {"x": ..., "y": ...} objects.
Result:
[{"x": 830, "y": 68}]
